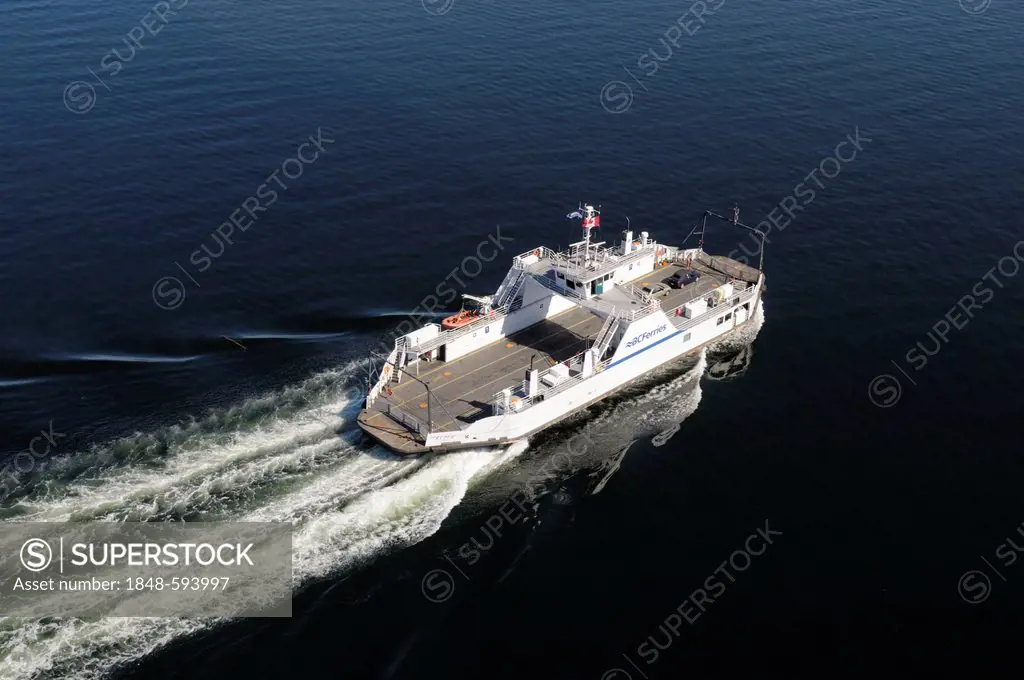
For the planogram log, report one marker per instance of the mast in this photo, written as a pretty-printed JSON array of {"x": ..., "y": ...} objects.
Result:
[
  {"x": 591, "y": 220},
  {"x": 587, "y": 214}
]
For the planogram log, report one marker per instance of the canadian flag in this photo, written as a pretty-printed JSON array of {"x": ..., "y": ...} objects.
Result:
[{"x": 592, "y": 222}]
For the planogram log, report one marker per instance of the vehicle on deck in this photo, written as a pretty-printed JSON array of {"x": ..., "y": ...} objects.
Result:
[{"x": 683, "y": 278}]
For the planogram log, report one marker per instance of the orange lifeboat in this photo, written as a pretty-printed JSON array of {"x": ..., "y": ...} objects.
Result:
[{"x": 464, "y": 317}]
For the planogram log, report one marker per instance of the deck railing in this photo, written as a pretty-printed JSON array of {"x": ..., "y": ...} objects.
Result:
[
  {"x": 681, "y": 323},
  {"x": 553, "y": 286},
  {"x": 636, "y": 293},
  {"x": 634, "y": 314},
  {"x": 407, "y": 419},
  {"x": 383, "y": 378},
  {"x": 548, "y": 392}
]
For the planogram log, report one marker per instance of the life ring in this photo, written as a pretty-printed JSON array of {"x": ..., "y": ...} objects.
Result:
[
  {"x": 536, "y": 252},
  {"x": 387, "y": 391}
]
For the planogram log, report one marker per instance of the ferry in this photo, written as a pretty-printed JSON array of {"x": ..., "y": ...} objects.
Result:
[{"x": 564, "y": 330}]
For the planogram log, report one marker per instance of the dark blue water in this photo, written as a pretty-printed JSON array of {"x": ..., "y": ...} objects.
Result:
[{"x": 220, "y": 383}]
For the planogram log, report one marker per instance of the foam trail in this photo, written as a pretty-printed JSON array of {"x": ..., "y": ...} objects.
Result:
[
  {"x": 655, "y": 405},
  {"x": 217, "y": 494},
  {"x": 398, "y": 515},
  {"x": 346, "y": 513},
  {"x": 129, "y": 472},
  {"x": 660, "y": 412},
  {"x": 127, "y": 486},
  {"x": 73, "y": 648},
  {"x": 658, "y": 404},
  {"x": 330, "y": 491},
  {"x": 327, "y": 539}
]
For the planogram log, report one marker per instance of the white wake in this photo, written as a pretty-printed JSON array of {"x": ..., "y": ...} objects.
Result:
[{"x": 289, "y": 457}]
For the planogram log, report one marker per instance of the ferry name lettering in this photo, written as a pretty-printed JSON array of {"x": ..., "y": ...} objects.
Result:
[{"x": 644, "y": 336}]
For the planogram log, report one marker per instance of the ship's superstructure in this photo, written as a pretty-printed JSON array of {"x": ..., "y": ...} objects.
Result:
[{"x": 562, "y": 331}]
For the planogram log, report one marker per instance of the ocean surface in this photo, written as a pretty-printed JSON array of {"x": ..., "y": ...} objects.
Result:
[{"x": 868, "y": 424}]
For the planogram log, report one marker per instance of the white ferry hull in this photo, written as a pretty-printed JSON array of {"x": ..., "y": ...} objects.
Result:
[{"x": 563, "y": 330}]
